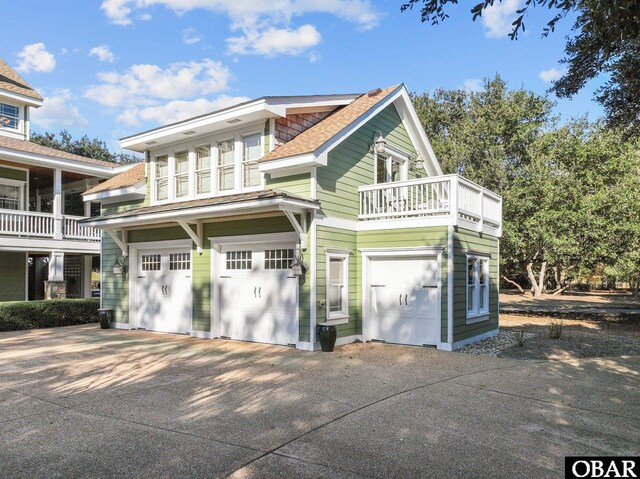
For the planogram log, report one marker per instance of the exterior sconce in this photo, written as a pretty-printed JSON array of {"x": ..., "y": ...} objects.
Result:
[
  {"x": 120, "y": 265},
  {"x": 379, "y": 143},
  {"x": 298, "y": 266}
]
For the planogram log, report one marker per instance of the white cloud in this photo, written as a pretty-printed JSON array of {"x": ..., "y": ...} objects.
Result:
[
  {"x": 103, "y": 53},
  {"x": 176, "y": 110},
  {"x": 313, "y": 57},
  {"x": 145, "y": 84},
  {"x": 274, "y": 41},
  {"x": 550, "y": 75},
  {"x": 472, "y": 85},
  {"x": 57, "y": 112},
  {"x": 497, "y": 19},
  {"x": 190, "y": 36},
  {"x": 35, "y": 57},
  {"x": 258, "y": 20}
]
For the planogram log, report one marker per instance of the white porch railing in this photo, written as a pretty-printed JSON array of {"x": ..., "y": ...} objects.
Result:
[
  {"x": 448, "y": 199},
  {"x": 42, "y": 225},
  {"x": 74, "y": 230}
]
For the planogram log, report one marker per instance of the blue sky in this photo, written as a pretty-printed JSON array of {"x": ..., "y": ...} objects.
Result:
[{"x": 117, "y": 67}]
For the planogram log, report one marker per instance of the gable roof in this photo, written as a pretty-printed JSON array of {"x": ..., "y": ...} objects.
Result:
[
  {"x": 310, "y": 140},
  {"x": 11, "y": 81},
  {"x": 130, "y": 177},
  {"x": 30, "y": 147}
]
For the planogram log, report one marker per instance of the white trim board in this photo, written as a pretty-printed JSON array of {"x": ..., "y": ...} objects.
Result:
[{"x": 464, "y": 342}]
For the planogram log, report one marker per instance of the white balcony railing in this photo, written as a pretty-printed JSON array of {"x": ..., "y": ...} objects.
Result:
[
  {"x": 448, "y": 199},
  {"x": 43, "y": 225}
]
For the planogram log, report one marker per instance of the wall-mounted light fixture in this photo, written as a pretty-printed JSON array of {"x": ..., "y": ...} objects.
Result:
[
  {"x": 379, "y": 143},
  {"x": 120, "y": 265},
  {"x": 298, "y": 266}
]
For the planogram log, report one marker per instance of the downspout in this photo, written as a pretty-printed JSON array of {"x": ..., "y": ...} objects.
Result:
[
  {"x": 313, "y": 255},
  {"x": 450, "y": 263}
]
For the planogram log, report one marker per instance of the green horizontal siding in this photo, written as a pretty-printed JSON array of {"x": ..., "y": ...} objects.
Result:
[
  {"x": 12, "y": 280},
  {"x": 411, "y": 237},
  {"x": 343, "y": 240},
  {"x": 351, "y": 164},
  {"x": 13, "y": 174},
  {"x": 466, "y": 241},
  {"x": 115, "y": 287},
  {"x": 299, "y": 185}
]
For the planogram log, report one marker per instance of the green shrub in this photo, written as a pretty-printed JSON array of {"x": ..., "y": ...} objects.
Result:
[
  {"x": 17, "y": 315},
  {"x": 555, "y": 329}
]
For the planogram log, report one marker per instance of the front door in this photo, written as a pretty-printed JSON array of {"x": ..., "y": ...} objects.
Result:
[{"x": 164, "y": 290}]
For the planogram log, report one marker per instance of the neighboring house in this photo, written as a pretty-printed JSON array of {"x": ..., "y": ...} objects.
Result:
[
  {"x": 44, "y": 252},
  {"x": 200, "y": 239}
]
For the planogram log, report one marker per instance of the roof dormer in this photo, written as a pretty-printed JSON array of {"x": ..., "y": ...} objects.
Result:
[{"x": 16, "y": 97}]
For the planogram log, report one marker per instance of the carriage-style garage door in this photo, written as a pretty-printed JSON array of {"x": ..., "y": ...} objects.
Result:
[
  {"x": 403, "y": 300},
  {"x": 258, "y": 294},
  {"x": 163, "y": 290}
]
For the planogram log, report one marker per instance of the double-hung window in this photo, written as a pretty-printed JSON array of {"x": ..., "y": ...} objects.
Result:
[
  {"x": 162, "y": 178},
  {"x": 9, "y": 116},
  {"x": 477, "y": 286},
  {"x": 251, "y": 153},
  {"x": 181, "y": 174},
  {"x": 226, "y": 165},
  {"x": 337, "y": 285},
  {"x": 11, "y": 196},
  {"x": 203, "y": 170}
]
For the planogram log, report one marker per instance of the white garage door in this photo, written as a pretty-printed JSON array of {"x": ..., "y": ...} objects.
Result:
[
  {"x": 258, "y": 294},
  {"x": 164, "y": 290},
  {"x": 404, "y": 300}
]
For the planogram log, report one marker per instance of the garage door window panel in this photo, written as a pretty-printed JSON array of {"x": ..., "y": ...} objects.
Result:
[
  {"x": 278, "y": 258},
  {"x": 239, "y": 259},
  {"x": 337, "y": 286},
  {"x": 151, "y": 262},
  {"x": 179, "y": 261}
]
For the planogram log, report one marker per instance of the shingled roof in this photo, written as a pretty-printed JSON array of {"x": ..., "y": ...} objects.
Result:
[
  {"x": 130, "y": 177},
  {"x": 30, "y": 147},
  {"x": 310, "y": 140},
  {"x": 11, "y": 81}
]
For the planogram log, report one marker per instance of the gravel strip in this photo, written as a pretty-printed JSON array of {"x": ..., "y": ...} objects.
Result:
[{"x": 495, "y": 345}]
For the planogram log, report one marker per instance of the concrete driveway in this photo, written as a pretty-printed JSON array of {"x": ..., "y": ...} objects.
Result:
[{"x": 81, "y": 402}]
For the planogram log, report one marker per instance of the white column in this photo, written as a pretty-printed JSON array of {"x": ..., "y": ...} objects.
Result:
[
  {"x": 56, "y": 266},
  {"x": 87, "y": 204},
  {"x": 57, "y": 203},
  {"x": 38, "y": 201},
  {"x": 86, "y": 275}
]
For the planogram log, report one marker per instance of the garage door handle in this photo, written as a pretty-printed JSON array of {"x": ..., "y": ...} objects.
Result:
[
  {"x": 141, "y": 277},
  {"x": 405, "y": 299},
  {"x": 429, "y": 286},
  {"x": 260, "y": 292},
  {"x": 400, "y": 299},
  {"x": 254, "y": 291},
  {"x": 378, "y": 285}
]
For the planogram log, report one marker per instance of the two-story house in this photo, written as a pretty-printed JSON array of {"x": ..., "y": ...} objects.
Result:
[
  {"x": 261, "y": 221},
  {"x": 44, "y": 252}
]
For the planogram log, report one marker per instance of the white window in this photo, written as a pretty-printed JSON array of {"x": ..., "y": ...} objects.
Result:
[
  {"x": 179, "y": 261},
  {"x": 181, "y": 174},
  {"x": 226, "y": 165},
  {"x": 239, "y": 260},
  {"x": 203, "y": 170},
  {"x": 9, "y": 116},
  {"x": 251, "y": 153},
  {"x": 278, "y": 258},
  {"x": 11, "y": 194},
  {"x": 477, "y": 286},
  {"x": 390, "y": 168},
  {"x": 151, "y": 262},
  {"x": 337, "y": 285},
  {"x": 162, "y": 178}
]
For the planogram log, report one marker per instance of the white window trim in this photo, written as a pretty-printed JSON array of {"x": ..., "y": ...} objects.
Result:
[
  {"x": 236, "y": 137},
  {"x": 19, "y": 126},
  {"x": 344, "y": 314},
  {"x": 20, "y": 184},
  {"x": 477, "y": 315},
  {"x": 392, "y": 154}
]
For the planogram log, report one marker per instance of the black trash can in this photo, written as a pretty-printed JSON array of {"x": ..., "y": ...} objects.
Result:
[
  {"x": 327, "y": 335},
  {"x": 106, "y": 316}
]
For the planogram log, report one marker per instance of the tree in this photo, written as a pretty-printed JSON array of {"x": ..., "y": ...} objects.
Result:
[
  {"x": 90, "y": 148},
  {"x": 605, "y": 39}
]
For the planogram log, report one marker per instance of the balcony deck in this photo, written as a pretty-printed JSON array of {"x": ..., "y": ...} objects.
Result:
[
  {"x": 441, "y": 200},
  {"x": 29, "y": 226}
]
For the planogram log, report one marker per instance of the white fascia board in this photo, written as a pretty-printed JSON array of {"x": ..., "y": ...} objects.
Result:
[
  {"x": 416, "y": 133},
  {"x": 323, "y": 151},
  {"x": 137, "y": 191},
  {"x": 286, "y": 166},
  {"x": 21, "y": 98},
  {"x": 229, "y": 209},
  {"x": 36, "y": 159},
  {"x": 128, "y": 166},
  {"x": 48, "y": 244},
  {"x": 133, "y": 142}
]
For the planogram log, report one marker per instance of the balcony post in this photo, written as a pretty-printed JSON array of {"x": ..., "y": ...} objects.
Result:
[
  {"x": 453, "y": 200},
  {"x": 57, "y": 203}
]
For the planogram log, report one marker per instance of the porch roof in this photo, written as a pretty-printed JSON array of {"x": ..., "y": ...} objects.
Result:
[{"x": 231, "y": 205}]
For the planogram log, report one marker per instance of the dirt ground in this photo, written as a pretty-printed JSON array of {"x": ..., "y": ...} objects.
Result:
[
  {"x": 575, "y": 301},
  {"x": 580, "y": 338}
]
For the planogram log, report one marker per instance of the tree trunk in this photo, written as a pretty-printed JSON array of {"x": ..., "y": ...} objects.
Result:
[
  {"x": 510, "y": 281},
  {"x": 537, "y": 285}
]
